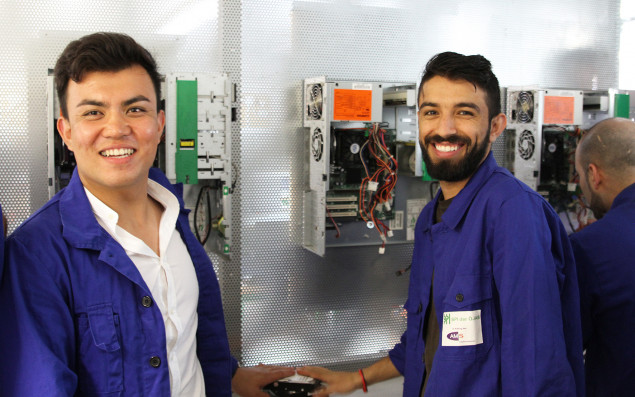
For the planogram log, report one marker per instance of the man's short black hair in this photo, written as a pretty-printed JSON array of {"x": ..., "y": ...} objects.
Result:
[
  {"x": 102, "y": 52},
  {"x": 475, "y": 69}
]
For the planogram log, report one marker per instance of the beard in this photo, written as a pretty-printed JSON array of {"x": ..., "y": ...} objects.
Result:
[
  {"x": 596, "y": 206},
  {"x": 455, "y": 170},
  {"x": 595, "y": 203}
]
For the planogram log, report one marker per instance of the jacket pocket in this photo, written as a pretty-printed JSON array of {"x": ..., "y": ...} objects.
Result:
[
  {"x": 99, "y": 353},
  {"x": 415, "y": 317},
  {"x": 467, "y": 312}
]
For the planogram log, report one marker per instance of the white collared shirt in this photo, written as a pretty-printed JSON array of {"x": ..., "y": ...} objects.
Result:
[{"x": 172, "y": 282}]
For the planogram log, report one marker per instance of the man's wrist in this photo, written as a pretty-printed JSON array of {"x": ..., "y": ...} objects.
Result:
[
  {"x": 236, "y": 365},
  {"x": 363, "y": 380}
]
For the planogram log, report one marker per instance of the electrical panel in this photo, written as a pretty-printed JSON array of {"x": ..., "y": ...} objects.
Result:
[
  {"x": 364, "y": 163},
  {"x": 602, "y": 104},
  {"x": 195, "y": 149},
  {"x": 543, "y": 127},
  {"x": 198, "y": 109}
]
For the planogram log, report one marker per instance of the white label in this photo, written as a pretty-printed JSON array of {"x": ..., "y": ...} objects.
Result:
[
  {"x": 362, "y": 86},
  {"x": 413, "y": 209},
  {"x": 462, "y": 328},
  {"x": 397, "y": 222}
]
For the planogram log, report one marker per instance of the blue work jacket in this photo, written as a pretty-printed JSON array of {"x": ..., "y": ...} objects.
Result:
[
  {"x": 78, "y": 319},
  {"x": 605, "y": 256},
  {"x": 501, "y": 249}
]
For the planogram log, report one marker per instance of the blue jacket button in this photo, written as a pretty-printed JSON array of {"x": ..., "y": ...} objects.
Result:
[
  {"x": 146, "y": 301},
  {"x": 155, "y": 361}
]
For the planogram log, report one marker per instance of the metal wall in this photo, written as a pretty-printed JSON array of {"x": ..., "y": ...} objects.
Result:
[{"x": 284, "y": 304}]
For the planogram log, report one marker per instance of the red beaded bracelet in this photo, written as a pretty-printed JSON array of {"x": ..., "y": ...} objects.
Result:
[{"x": 364, "y": 388}]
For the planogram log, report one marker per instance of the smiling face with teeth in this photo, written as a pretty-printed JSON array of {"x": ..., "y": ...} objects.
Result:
[
  {"x": 455, "y": 133},
  {"x": 113, "y": 128}
]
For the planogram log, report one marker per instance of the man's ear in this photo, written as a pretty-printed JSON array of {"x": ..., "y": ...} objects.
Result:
[
  {"x": 596, "y": 177},
  {"x": 64, "y": 128},
  {"x": 161, "y": 125},
  {"x": 497, "y": 126}
]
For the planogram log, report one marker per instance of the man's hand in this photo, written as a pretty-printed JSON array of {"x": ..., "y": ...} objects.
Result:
[
  {"x": 249, "y": 381},
  {"x": 336, "y": 382}
]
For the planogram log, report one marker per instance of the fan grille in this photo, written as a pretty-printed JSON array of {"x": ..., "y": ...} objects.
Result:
[
  {"x": 525, "y": 106},
  {"x": 314, "y": 102},
  {"x": 526, "y": 145},
  {"x": 317, "y": 144}
]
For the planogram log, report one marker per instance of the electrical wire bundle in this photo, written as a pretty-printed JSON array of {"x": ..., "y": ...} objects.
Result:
[
  {"x": 202, "y": 215},
  {"x": 204, "y": 220},
  {"x": 375, "y": 191}
]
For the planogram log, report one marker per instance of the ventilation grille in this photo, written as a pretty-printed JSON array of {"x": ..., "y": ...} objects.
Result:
[
  {"x": 314, "y": 102},
  {"x": 525, "y": 107},
  {"x": 526, "y": 145},
  {"x": 317, "y": 144}
]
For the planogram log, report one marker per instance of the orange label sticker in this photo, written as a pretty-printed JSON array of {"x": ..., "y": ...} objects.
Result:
[
  {"x": 352, "y": 104},
  {"x": 559, "y": 110}
]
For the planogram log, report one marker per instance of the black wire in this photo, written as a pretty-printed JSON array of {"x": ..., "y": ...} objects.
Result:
[
  {"x": 403, "y": 271},
  {"x": 234, "y": 177},
  {"x": 198, "y": 201},
  {"x": 204, "y": 190},
  {"x": 209, "y": 214}
]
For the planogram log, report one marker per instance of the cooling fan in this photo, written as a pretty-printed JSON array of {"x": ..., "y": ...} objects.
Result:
[
  {"x": 314, "y": 102},
  {"x": 526, "y": 145},
  {"x": 525, "y": 107},
  {"x": 317, "y": 144},
  {"x": 349, "y": 144}
]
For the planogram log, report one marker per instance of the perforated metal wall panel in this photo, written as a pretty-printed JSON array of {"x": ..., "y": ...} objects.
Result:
[
  {"x": 182, "y": 35},
  {"x": 345, "y": 307},
  {"x": 284, "y": 304}
]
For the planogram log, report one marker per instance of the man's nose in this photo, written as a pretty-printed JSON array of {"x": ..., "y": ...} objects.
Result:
[
  {"x": 116, "y": 125},
  {"x": 446, "y": 126}
]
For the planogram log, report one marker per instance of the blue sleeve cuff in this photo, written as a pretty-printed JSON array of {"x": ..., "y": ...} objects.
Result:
[
  {"x": 234, "y": 366},
  {"x": 398, "y": 357}
]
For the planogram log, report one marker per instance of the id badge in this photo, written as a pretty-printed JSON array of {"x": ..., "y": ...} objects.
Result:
[{"x": 462, "y": 328}]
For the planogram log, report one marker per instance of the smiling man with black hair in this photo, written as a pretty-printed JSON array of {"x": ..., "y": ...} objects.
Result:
[
  {"x": 106, "y": 291},
  {"x": 493, "y": 297}
]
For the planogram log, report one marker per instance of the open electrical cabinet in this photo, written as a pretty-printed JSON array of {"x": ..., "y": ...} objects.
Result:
[{"x": 363, "y": 164}]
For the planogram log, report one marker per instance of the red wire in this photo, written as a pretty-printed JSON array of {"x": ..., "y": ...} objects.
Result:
[
  {"x": 376, "y": 144},
  {"x": 334, "y": 223}
]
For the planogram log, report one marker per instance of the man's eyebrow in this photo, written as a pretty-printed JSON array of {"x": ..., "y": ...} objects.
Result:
[
  {"x": 91, "y": 102},
  {"x": 127, "y": 102},
  {"x": 468, "y": 105},
  {"x": 458, "y": 105},
  {"x": 138, "y": 98},
  {"x": 432, "y": 104}
]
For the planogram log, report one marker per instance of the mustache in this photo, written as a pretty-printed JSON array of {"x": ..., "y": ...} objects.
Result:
[{"x": 452, "y": 139}]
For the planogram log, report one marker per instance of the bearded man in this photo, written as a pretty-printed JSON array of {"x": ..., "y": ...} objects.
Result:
[
  {"x": 492, "y": 302},
  {"x": 604, "y": 252}
]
